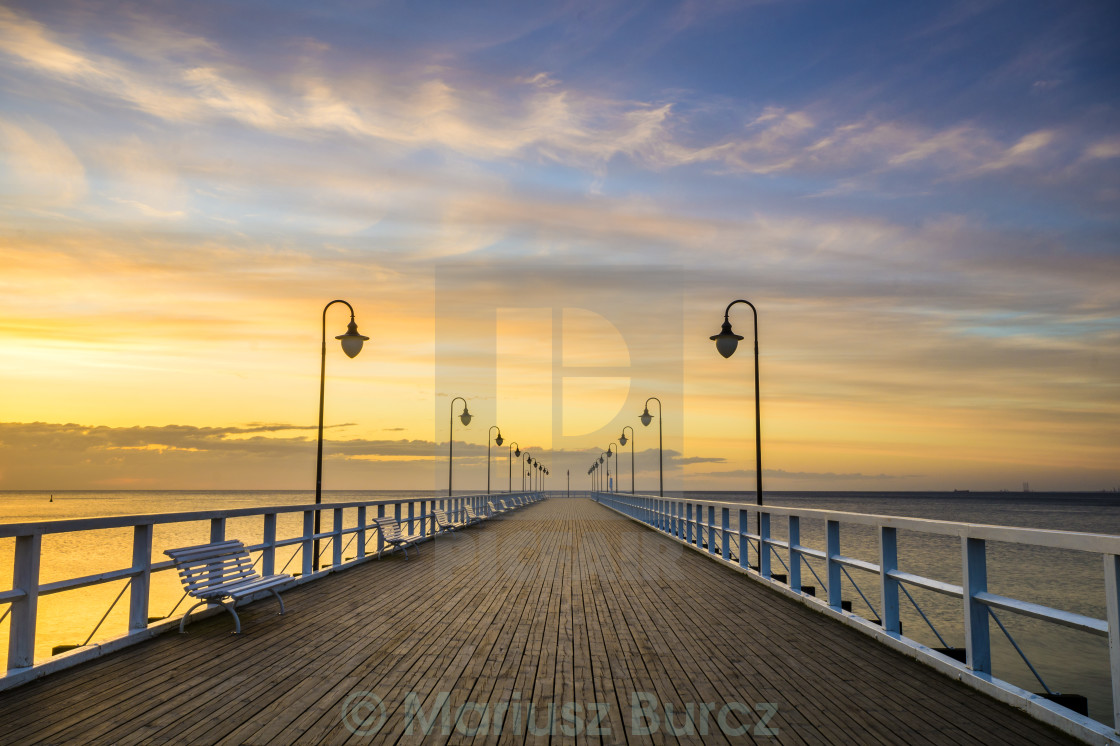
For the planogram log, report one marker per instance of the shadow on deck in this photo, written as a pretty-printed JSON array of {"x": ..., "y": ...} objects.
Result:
[{"x": 556, "y": 607}]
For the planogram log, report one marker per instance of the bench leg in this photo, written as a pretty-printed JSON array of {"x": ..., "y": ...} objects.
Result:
[
  {"x": 183, "y": 621},
  {"x": 236, "y": 619},
  {"x": 280, "y": 600}
]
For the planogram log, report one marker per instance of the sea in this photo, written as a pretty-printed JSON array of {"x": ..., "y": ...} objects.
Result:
[{"x": 1068, "y": 661}]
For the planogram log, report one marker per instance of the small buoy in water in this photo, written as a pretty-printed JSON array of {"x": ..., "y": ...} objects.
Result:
[{"x": 52, "y": 498}]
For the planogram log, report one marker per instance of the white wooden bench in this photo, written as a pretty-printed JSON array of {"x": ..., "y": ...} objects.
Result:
[
  {"x": 391, "y": 535},
  {"x": 212, "y": 572},
  {"x": 472, "y": 517},
  {"x": 442, "y": 522}
]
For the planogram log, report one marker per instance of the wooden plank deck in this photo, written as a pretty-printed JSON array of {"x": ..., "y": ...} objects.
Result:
[{"x": 562, "y": 602}]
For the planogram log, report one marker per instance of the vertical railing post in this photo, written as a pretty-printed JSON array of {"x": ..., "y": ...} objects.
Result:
[
  {"x": 308, "y": 542},
  {"x": 764, "y": 545},
  {"x": 411, "y": 517},
  {"x": 336, "y": 530},
  {"x": 217, "y": 530},
  {"x": 361, "y": 532},
  {"x": 25, "y": 577},
  {"x": 744, "y": 542},
  {"x": 397, "y": 511},
  {"x": 674, "y": 529},
  {"x": 725, "y": 533},
  {"x": 688, "y": 522},
  {"x": 711, "y": 529},
  {"x": 1112, "y": 605},
  {"x": 268, "y": 554},
  {"x": 832, "y": 550},
  {"x": 699, "y": 514},
  {"x": 888, "y": 586},
  {"x": 141, "y": 581},
  {"x": 794, "y": 553},
  {"x": 975, "y": 576},
  {"x": 423, "y": 518}
]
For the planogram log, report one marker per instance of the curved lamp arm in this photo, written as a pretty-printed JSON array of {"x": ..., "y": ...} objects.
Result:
[
  {"x": 726, "y": 342},
  {"x": 465, "y": 417}
]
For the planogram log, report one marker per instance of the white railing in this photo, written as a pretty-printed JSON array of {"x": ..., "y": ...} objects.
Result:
[
  {"x": 685, "y": 520},
  {"x": 21, "y": 600}
]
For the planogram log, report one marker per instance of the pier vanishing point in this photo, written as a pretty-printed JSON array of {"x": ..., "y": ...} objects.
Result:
[{"x": 563, "y": 621}]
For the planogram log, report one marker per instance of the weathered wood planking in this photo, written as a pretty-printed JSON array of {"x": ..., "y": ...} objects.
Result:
[{"x": 561, "y": 602}]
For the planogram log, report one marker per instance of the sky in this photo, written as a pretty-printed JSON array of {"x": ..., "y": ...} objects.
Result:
[{"x": 545, "y": 208}]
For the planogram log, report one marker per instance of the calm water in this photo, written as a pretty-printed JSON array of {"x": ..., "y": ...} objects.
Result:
[{"x": 1068, "y": 661}]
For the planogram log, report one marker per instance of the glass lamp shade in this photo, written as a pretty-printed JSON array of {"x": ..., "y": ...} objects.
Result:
[
  {"x": 622, "y": 438},
  {"x": 600, "y": 459},
  {"x": 498, "y": 440},
  {"x": 517, "y": 451},
  {"x": 727, "y": 340},
  {"x": 610, "y": 453},
  {"x": 646, "y": 417},
  {"x": 465, "y": 417},
  {"x": 351, "y": 340}
]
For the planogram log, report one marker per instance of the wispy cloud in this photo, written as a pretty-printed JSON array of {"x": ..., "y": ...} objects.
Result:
[{"x": 529, "y": 117}]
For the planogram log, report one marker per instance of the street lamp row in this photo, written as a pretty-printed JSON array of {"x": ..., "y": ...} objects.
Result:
[
  {"x": 535, "y": 469},
  {"x": 726, "y": 340},
  {"x": 726, "y": 343}
]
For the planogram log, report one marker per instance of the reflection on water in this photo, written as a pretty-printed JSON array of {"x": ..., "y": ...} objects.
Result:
[{"x": 1069, "y": 661}]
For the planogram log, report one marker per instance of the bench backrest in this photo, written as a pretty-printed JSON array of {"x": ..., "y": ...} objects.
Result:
[
  {"x": 443, "y": 517},
  {"x": 207, "y": 566},
  {"x": 470, "y": 513},
  {"x": 390, "y": 528}
]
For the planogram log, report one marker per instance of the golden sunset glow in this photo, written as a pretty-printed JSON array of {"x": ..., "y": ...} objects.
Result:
[{"x": 936, "y": 285}]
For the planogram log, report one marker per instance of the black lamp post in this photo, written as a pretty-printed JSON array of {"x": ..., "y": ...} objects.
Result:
[
  {"x": 609, "y": 447},
  {"x": 465, "y": 417},
  {"x": 622, "y": 440},
  {"x": 726, "y": 342},
  {"x": 351, "y": 345},
  {"x": 512, "y": 453},
  {"x": 497, "y": 442},
  {"x": 646, "y": 418}
]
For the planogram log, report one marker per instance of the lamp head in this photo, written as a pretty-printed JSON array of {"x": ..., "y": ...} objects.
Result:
[
  {"x": 517, "y": 451},
  {"x": 622, "y": 438},
  {"x": 498, "y": 440},
  {"x": 465, "y": 416},
  {"x": 351, "y": 340},
  {"x": 600, "y": 459},
  {"x": 727, "y": 340},
  {"x": 646, "y": 417}
]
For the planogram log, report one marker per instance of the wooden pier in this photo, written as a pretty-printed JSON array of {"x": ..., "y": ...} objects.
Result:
[{"x": 564, "y": 605}]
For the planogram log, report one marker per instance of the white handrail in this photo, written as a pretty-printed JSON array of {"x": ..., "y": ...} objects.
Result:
[
  {"x": 26, "y": 588},
  {"x": 684, "y": 520}
]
